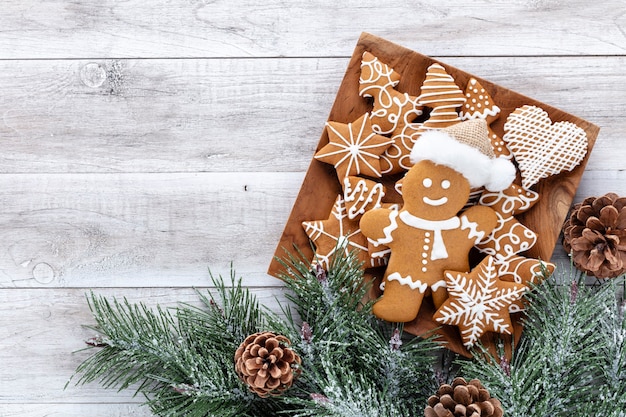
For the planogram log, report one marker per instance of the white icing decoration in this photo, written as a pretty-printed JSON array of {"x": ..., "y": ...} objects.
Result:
[
  {"x": 474, "y": 233},
  {"x": 355, "y": 148},
  {"x": 436, "y": 226},
  {"x": 542, "y": 148},
  {"x": 393, "y": 225},
  {"x": 438, "y": 284},
  {"x": 361, "y": 198},
  {"x": 414, "y": 285},
  {"x": 435, "y": 203}
]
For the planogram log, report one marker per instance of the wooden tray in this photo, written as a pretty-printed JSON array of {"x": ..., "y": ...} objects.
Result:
[{"x": 320, "y": 186}]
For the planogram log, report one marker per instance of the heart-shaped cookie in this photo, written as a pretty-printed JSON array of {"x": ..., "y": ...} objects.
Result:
[{"x": 540, "y": 147}]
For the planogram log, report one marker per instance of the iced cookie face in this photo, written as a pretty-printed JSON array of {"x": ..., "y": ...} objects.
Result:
[{"x": 437, "y": 192}]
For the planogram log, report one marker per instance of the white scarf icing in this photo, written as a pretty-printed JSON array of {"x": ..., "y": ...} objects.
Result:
[{"x": 436, "y": 226}]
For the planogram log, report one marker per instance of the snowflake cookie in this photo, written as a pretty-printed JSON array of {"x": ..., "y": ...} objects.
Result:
[{"x": 479, "y": 302}]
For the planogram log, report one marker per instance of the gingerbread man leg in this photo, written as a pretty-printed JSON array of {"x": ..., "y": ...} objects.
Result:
[{"x": 399, "y": 303}]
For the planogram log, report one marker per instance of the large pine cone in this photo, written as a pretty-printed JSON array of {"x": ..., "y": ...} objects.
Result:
[
  {"x": 463, "y": 399},
  {"x": 266, "y": 363},
  {"x": 595, "y": 235}
]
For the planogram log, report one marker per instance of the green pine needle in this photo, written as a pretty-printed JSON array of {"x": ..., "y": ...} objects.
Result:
[{"x": 570, "y": 360}]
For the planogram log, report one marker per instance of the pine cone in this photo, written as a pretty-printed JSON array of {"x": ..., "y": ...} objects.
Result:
[
  {"x": 463, "y": 399},
  {"x": 266, "y": 363},
  {"x": 595, "y": 235}
]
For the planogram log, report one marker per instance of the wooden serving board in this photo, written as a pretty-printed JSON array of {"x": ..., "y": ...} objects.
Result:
[{"x": 321, "y": 186}]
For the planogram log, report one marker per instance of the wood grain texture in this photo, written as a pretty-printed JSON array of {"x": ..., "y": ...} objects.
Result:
[
  {"x": 245, "y": 28},
  {"x": 136, "y": 230}
]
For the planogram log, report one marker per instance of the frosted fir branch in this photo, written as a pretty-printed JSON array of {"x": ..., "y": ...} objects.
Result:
[{"x": 564, "y": 364}]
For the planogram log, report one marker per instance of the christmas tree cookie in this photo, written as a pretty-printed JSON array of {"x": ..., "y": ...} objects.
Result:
[
  {"x": 480, "y": 105},
  {"x": 441, "y": 94}
]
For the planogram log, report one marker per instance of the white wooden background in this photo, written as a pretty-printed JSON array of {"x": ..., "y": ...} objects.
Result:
[{"x": 142, "y": 143}]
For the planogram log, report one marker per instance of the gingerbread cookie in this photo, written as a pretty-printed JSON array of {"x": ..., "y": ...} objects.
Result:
[
  {"x": 480, "y": 105},
  {"x": 434, "y": 190},
  {"x": 392, "y": 110},
  {"x": 375, "y": 76},
  {"x": 511, "y": 201},
  {"x": 338, "y": 232},
  {"x": 361, "y": 195},
  {"x": 510, "y": 238},
  {"x": 353, "y": 148},
  {"x": 524, "y": 271},
  {"x": 440, "y": 93},
  {"x": 542, "y": 148},
  {"x": 396, "y": 158},
  {"x": 478, "y": 302}
]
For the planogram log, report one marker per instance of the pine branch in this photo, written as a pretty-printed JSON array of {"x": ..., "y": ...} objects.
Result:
[
  {"x": 182, "y": 358},
  {"x": 560, "y": 366},
  {"x": 341, "y": 342}
]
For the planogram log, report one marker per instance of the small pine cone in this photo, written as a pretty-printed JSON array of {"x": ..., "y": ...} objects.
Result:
[
  {"x": 463, "y": 399},
  {"x": 266, "y": 363},
  {"x": 595, "y": 235}
]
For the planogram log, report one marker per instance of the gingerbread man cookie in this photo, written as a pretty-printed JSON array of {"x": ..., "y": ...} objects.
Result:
[{"x": 434, "y": 190}]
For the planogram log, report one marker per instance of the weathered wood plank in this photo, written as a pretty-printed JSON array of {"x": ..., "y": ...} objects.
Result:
[
  {"x": 77, "y": 409},
  {"x": 137, "y": 230},
  {"x": 244, "y": 28},
  {"x": 40, "y": 328},
  {"x": 241, "y": 114}
]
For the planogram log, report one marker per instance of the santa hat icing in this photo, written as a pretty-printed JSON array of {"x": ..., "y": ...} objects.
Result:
[{"x": 465, "y": 147}]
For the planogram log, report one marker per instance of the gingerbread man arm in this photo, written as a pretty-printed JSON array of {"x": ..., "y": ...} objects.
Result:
[
  {"x": 480, "y": 221},
  {"x": 378, "y": 224}
]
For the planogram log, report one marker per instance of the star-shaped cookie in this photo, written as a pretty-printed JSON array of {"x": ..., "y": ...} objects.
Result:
[
  {"x": 478, "y": 302},
  {"x": 338, "y": 233},
  {"x": 354, "y": 148}
]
